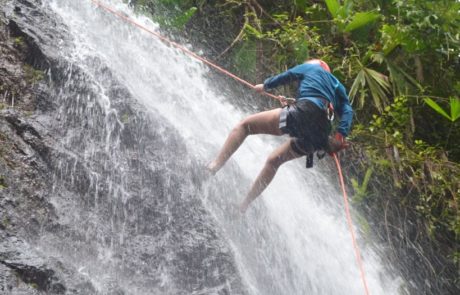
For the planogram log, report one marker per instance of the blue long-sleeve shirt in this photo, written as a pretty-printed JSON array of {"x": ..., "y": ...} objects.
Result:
[{"x": 314, "y": 83}]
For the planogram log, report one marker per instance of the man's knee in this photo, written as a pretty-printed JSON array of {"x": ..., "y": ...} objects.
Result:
[
  {"x": 274, "y": 161},
  {"x": 243, "y": 127}
]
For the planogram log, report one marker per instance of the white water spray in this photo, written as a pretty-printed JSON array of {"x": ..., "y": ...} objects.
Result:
[{"x": 294, "y": 238}]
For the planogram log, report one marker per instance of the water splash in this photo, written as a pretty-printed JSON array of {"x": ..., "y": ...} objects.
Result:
[{"x": 145, "y": 206}]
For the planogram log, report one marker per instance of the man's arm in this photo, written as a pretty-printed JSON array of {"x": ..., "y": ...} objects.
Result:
[
  {"x": 290, "y": 75},
  {"x": 345, "y": 112},
  {"x": 346, "y": 117}
]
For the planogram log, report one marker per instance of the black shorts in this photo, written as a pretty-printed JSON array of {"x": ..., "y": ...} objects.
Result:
[{"x": 308, "y": 124}]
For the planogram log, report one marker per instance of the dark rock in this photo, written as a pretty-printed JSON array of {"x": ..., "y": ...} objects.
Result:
[
  {"x": 18, "y": 256},
  {"x": 94, "y": 191}
]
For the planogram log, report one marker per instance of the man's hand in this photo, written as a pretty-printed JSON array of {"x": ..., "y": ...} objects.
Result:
[
  {"x": 337, "y": 143},
  {"x": 285, "y": 101},
  {"x": 259, "y": 88}
]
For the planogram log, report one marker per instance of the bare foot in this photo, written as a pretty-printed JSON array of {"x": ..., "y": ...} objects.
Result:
[{"x": 212, "y": 168}]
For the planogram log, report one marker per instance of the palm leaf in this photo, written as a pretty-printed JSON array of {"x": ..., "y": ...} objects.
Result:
[
  {"x": 181, "y": 20},
  {"x": 361, "y": 19},
  {"x": 333, "y": 6},
  {"x": 381, "y": 79},
  {"x": 454, "y": 109},
  {"x": 401, "y": 81},
  {"x": 378, "y": 86},
  {"x": 391, "y": 38},
  {"x": 301, "y": 4},
  {"x": 437, "y": 108},
  {"x": 359, "y": 83},
  {"x": 377, "y": 94}
]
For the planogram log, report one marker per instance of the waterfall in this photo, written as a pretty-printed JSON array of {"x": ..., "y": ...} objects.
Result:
[{"x": 134, "y": 121}]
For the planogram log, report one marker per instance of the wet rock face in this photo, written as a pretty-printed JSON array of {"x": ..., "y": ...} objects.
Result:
[
  {"x": 25, "y": 209},
  {"x": 17, "y": 257},
  {"x": 90, "y": 199}
]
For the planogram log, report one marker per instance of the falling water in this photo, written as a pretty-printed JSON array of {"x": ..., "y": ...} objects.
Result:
[{"x": 136, "y": 119}]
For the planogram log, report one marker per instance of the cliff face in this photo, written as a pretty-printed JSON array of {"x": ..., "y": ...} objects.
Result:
[
  {"x": 80, "y": 180},
  {"x": 25, "y": 151},
  {"x": 103, "y": 197},
  {"x": 23, "y": 205}
]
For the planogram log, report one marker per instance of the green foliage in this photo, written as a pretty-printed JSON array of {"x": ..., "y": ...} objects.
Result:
[
  {"x": 171, "y": 14},
  {"x": 454, "y": 108},
  {"x": 183, "y": 18},
  {"x": 32, "y": 75},
  {"x": 360, "y": 190},
  {"x": 3, "y": 184},
  {"x": 427, "y": 25},
  {"x": 244, "y": 58},
  {"x": 394, "y": 121},
  {"x": 333, "y": 6},
  {"x": 347, "y": 20},
  {"x": 19, "y": 41},
  {"x": 360, "y": 20},
  {"x": 301, "y": 4},
  {"x": 364, "y": 225},
  {"x": 6, "y": 222},
  {"x": 293, "y": 41},
  {"x": 373, "y": 82},
  {"x": 28, "y": 113},
  {"x": 250, "y": 30},
  {"x": 401, "y": 82},
  {"x": 403, "y": 164},
  {"x": 295, "y": 38},
  {"x": 125, "y": 118}
]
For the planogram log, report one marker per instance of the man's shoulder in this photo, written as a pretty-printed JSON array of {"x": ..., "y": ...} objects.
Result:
[{"x": 310, "y": 70}]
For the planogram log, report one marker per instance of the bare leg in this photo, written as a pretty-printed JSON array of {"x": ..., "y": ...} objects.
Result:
[
  {"x": 260, "y": 123},
  {"x": 279, "y": 156}
]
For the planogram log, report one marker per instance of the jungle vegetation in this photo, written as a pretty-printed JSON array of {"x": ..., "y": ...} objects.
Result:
[{"x": 400, "y": 61}]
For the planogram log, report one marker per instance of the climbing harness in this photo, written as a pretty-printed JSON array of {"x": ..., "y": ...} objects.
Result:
[
  {"x": 329, "y": 108},
  {"x": 330, "y": 116},
  {"x": 330, "y": 113},
  {"x": 319, "y": 154}
]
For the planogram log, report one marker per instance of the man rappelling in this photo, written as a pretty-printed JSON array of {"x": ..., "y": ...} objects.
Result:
[{"x": 307, "y": 121}]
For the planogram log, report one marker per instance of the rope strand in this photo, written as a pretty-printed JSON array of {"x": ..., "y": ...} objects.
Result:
[
  {"x": 182, "y": 48},
  {"x": 350, "y": 224}
]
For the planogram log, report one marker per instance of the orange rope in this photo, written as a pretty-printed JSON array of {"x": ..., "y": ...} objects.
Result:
[
  {"x": 225, "y": 72},
  {"x": 350, "y": 224},
  {"x": 180, "y": 47}
]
